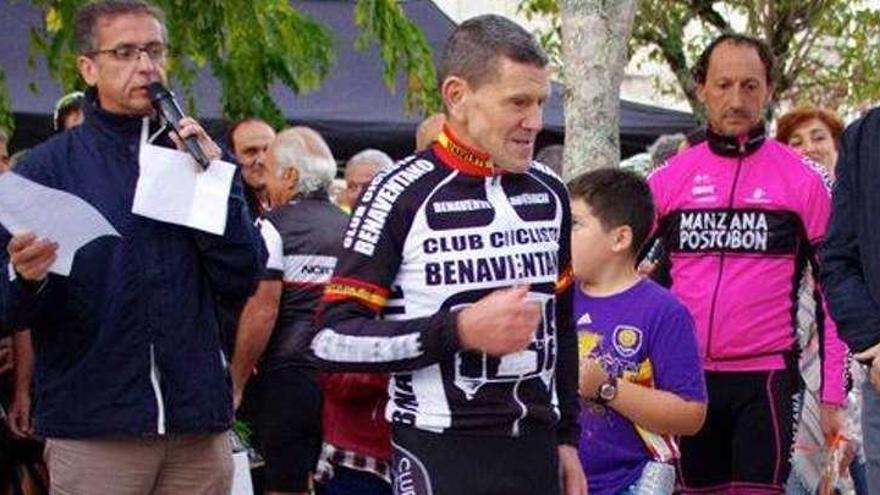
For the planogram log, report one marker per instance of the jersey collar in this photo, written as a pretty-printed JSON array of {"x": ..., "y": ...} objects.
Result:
[
  {"x": 461, "y": 157},
  {"x": 737, "y": 146}
]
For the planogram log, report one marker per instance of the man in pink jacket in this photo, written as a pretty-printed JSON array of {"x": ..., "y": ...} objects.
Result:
[{"x": 741, "y": 217}]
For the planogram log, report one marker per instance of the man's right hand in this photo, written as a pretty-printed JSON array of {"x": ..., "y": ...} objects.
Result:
[
  {"x": 500, "y": 323},
  {"x": 239, "y": 381},
  {"x": 31, "y": 257},
  {"x": 19, "y": 417},
  {"x": 237, "y": 394}
]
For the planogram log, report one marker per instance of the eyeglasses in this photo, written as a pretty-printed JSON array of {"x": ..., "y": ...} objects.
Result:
[{"x": 129, "y": 53}]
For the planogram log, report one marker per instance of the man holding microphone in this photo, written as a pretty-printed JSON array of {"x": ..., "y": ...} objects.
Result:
[{"x": 132, "y": 388}]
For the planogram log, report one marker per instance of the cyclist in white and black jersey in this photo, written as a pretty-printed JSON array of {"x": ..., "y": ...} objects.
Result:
[
  {"x": 464, "y": 252},
  {"x": 303, "y": 235}
]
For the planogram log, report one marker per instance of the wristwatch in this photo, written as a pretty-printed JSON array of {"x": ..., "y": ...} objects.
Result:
[{"x": 607, "y": 391}]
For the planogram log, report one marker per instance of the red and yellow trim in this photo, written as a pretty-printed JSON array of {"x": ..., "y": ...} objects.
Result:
[
  {"x": 341, "y": 288},
  {"x": 565, "y": 280},
  {"x": 461, "y": 157}
]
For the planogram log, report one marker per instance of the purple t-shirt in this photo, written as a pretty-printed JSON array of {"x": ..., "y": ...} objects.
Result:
[{"x": 643, "y": 335}]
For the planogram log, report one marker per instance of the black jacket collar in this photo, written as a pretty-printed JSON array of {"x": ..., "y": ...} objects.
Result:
[
  {"x": 114, "y": 125},
  {"x": 740, "y": 146}
]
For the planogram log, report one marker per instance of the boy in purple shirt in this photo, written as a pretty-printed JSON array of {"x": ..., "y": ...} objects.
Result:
[{"x": 640, "y": 372}]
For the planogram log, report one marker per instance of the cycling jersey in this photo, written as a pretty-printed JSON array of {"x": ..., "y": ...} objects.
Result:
[
  {"x": 430, "y": 236},
  {"x": 309, "y": 232},
  {"x": 741, "y": 220},
  {"x": 303, "y": 238}
]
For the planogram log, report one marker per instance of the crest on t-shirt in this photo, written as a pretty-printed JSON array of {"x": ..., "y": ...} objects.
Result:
[{"x": 627, "y": 340}]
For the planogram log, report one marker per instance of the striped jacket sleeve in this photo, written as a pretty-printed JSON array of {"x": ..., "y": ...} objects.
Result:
[{"x": 350, "y": 337}]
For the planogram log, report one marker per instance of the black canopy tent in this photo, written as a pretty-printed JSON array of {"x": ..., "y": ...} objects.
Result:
[{"x": 353, "y": 109}]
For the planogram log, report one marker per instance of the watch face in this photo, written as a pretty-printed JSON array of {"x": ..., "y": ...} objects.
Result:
[{"x": 607, "y": 391}]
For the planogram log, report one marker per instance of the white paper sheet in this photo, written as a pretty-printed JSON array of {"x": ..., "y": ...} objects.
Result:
[
  {"x": 241, "y": 479},
  {"x": 51, "y": 214},
  {"x": 174, "y": 188}
]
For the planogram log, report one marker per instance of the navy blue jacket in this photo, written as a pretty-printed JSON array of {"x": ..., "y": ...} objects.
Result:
[
  {"x": 851, "y": 254},
  {"x": 128, "y": 344}
]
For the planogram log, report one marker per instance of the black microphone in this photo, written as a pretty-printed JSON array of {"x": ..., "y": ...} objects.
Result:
[{"x": 164, "y": 103}]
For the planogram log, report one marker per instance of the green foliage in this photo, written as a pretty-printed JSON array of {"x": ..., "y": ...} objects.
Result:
[
  {"x": 259, "y": 42},
  {"x": 841, "y": 68},
  {"x": 243, "y": 430},
  {"x": 827, "y": 49},
  {"x": 403, "y": 48},
  {"x": 56, "y": 43},
  {"x": 6, "y": 121},
  {"x": 550, "y": 38},
  {"x": 250, "y": 45}
]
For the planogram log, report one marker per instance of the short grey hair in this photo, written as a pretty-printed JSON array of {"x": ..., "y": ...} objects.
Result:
[
  {"x": 314, "y": 172},
  {"x": 370, "y": 155},
  {"x": 475, "y": 47},
  {"x": 314, "y": 142},
  {"x": 4, "y": 136},
  {"x": 86, "y": 19}
]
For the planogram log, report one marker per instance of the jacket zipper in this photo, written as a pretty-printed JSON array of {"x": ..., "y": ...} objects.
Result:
[
  {"x": 730, "y": 201},
  {"x": 157, "y": 390},
  {"x": 155, "y": 373}
]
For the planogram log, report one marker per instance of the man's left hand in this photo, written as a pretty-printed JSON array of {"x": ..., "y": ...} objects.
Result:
[
  {"x": 571, "y": 473},
  {"x": 19, "y": 417},
  {"x": 189, "y": 127}
]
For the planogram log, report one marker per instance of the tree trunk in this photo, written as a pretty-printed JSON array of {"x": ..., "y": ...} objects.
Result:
[{"x": 595, "y": 34}]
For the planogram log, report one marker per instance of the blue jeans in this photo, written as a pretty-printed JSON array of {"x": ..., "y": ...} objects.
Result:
[
  {"x": 871, "y": 433},
  {"x": 353, "y": 482},
  {"x": 858, "y": 473}
]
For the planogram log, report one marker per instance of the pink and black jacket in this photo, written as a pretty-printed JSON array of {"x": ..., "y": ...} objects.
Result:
[{"x": 741, "y": 220}]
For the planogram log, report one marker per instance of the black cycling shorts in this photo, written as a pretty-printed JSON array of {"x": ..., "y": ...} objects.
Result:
[
  {"x": 283, "y": 407},
  {"x": 745, "y": 443},
  {"x": 446, "y": 464}
]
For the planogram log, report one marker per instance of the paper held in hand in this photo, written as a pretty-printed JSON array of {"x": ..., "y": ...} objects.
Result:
[
  {"x": 173, "y": 188},
  {"x": 51, "y": 214}
]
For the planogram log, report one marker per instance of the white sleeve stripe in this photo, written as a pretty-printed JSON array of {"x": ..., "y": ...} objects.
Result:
[
  {"x": 336, "y": 347},
  {"x": 274, "y": 245}
]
